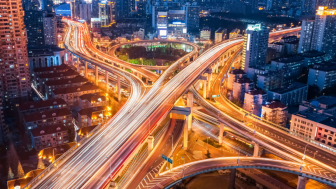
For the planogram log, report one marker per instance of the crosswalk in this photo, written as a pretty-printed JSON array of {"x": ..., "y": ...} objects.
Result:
[{"x": 150, "y": 181}]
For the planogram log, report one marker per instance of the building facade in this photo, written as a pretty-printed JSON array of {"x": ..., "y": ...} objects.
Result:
[
  {"x": 306, "y": 35},
  {"x": 93, "y": 100},
  {"x": 240, "y": 87},
  {"x": 275, "y": 112},
  {"x": 93, "y": 116},
  {"x": 289, "y": 95},
  {"x": 323, "y": 75},
  {"x": 50, "y": 136},
  {"x": 253, "y": 101}
]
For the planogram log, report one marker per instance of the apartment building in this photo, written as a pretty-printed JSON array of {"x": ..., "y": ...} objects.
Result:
[
  {"x": 292, "y": 65},
  {"x": 240, "y": 87},
  {"x": 290, "y": 94},
  {"x": 71, "y": 94},
  {"x": 47, "y": 118},
  {"x": 50, "y": 86},
  {"x": 51, "y": 136},
  {"x": 39, "y": 106},
  {"x": 220, "y": 35},
  {"x": 49, "y": 154},
  {"x": 311, "y": 58},
  {"x": 253, "y": 101},
  {"x": 93, "y": 100},
  {"x": 93, "y": 116},
  {"x": 306, "y": 36},
  {"x": 323, "y": 75},
  {"x": 275, "y": 112},
  {"x": 233, "y": 76},
  {"x": 323, "y": 104},
  {"x": 42, "y": 78}
]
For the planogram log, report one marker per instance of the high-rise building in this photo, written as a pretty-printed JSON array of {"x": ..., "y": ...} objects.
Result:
[
  {"x": 123, "y": 8},
  {"x": 50, "y": 29},
  {"x": 331, "y": 4},
  {"x": 255, "y": 46},
  {"x": 14, "y": 70},
  {"x": 74, "y": 8},
  {"x": 106, "y": 13},
  {"x": 308, "y": 6},
  {"x": 85, "y": 12},
  {"x": 324, "y": 33},
  {"x": 192, "y": 15},
  {"x": 306, "y": 36}
]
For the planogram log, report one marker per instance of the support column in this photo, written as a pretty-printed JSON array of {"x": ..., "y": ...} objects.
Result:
[
  {"x": 118, "y": 88},
  {"x": 189, "y": 121},
  {"x": 150, "y": 141},
  {"x": 185, "y": 135},
  {"x": 146, "y": 81},
  {"x": 232, "y": 179},
  {"x": 86, "y": 70},
  {"x": 97, "y": 76},
  {"x": 302, "y": 182},
  {"x": 171, "y": 165},
  {"x": 107, "y": 80},
  {"x": 220, "y": 136},
  {"x": 190, "y": 102},
  {"x": 256, "y": 150},
  {"x": 204, "y": 89},
  {"x": 209, "y": 85},
  {"x": 78, "y": 64}
]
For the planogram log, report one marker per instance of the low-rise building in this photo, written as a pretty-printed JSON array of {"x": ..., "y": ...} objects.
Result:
[
  {"x": 49, "y": 154},
  {"x": 47, "y": 118},
  {"x": 93, "y": 116},
  {"x": 93, "y": 100},
  {"x": 290, "y": 94},
  {"x": 323, "y": 104},
  {"x": 234, "y": 33},
  {"x": 312, "y": 57},
  {"x": 240, "y": 87},
  {"x": 322, "y": 74},
  {"x": 49, "y": 70},
  {"x": 39, "y": 106},
  {"x": 50, "y": 86},
  {"x": 253, "y": 101},
  {"x": 233, "y": 76},
  {"x": 220, "y": 35},
  {"x": 50, "y": 136},
  {"x": 82, "y": 132},
  {"x": 275, "y": 112},
  {"x": 71, "y": 94},
  {"x": 205, "y": 34},
  {"x": 293, "y": 64},
  {"x": 41, "y": 79},
  {"x": 315, "y": 125}
]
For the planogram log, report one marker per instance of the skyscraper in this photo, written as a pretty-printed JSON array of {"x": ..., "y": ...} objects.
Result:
[
  {"x": 14, "y": 72},
  {"x": 255, "y": 46},
  {"x": 192, "y": 15},
  {"x": 306, "y": 36},
  {"x": 324, "y": 33}
]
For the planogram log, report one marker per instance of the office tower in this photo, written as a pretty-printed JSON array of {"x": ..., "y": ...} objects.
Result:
[
  {"x": 106, "y": 13},
  {"x": 331, "y": 4},
  {"x": 141, "y": 8},
  {"x": 308, "y": 6},
  {"x": 14, "y": 72},
  {"x": 122, "y": 9},
  {"x": 85, "y": 12},
  {"x": 95, "y": 8},
  {"x": 41, "y": 27},
  {"x": 50, "y": 28},
  {"x": 74, "y": 8},
  {"x": 306, "y": 36},
  {"x": 255, "y": 46},
  {"x": 192, "y": 15},
  {"x": 324, "y": 33}
]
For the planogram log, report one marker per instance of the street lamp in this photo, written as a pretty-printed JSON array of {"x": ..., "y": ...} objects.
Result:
[
  {"x": 183, "y": 168},
  {"x": 315, "y": 154},
  {"x": 304, "y": 153},
  {"x": 208, "y": 143},
  {"x": 54, "y": 154}
]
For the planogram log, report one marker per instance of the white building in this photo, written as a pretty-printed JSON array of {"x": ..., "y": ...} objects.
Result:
[
  {"x": 140, "y": 34},
  {"x": 255, "y": 46},
  {"x": 233, "y": 76},
  {"x": 306, "y": 36},
  {"x": 253, "y": 101},
  {"x": 324, "y": 34},
  {"x": 275, "y": 112},
  {"x": 205, "y": 33},
  {"x": 240, "y": 87},
  {"x": 220, "y": 35},
  {"x": 323, "y": 75},
  {"x": 290, "y": 94}
]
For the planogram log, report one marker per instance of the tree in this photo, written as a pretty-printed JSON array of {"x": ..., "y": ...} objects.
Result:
[
  {"x": 208, "y": 154},
  {"x": 20, "y": 172},
  {"x": 123, "y": 57},
  {"x": 10, "y": 174},
  {"x": 313, "y": 92}
]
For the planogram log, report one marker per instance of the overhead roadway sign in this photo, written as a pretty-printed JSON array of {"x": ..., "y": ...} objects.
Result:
[
  {"x": 170, "y": 161},
  {"x": 215, "y": 96},
  {"x": 164, "y": 157}
]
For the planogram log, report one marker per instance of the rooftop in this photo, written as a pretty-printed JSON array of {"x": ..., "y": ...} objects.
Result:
[
  {"x": 274, "y": 104},
  {"x": 47, "y": 114},
  {"x": 47, "y": 130},
  {"x": 43, "y": 51},
  {"x": 220, "y": 30},
  {"x": 41, "y": 104},
  {"x": 89, "y": 111},
  {"x": 288, "y": 59},
  {"x": 256, "y": 92},
  {"x": 77, "y": 79},
  {"x": 59, "y": 74},
  {"x": 310, "y": 54},
  {"x": 93, "y": 97},
  {"x": 318, "y": 117},
  {"x": 237, "y": 71},
  {"x": 86, "y": 87},
  {"x": 244, "y": 80},
  {"x": 324, "y": 66},
  {"x": 288, "y": 88},
  {"x": 85, "y": 130},
  {"x": 46, "y": 152},
  {"x": 63, "y": 67}
]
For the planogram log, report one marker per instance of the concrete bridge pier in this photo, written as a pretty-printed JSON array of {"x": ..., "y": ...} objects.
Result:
[
  {"x": 150, "y": 141},
  {"x": 186, "y": 112},
  {"x": 97, "y": 75},
  {"x": 204, "y": 89},
  {"x": 302, "y": 182},
  {"x": 220, "y": 135},
  {"x": 107, "y": 80},
  {"x": 78, "y": 64},
  {"x": 232, "y": 179},
  {"x": 85, "y": 69},
  {"x": 256, "y": 150},
  {"x": 190, "y": 102}
]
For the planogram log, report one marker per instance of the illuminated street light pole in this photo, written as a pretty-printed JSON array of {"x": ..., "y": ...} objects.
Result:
[{"x": 315, "y": 154}]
